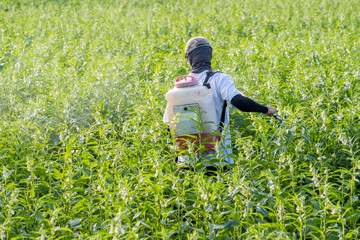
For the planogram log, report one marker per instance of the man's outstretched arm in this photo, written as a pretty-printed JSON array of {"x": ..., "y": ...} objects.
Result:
[{"x": 246, "y": 104}]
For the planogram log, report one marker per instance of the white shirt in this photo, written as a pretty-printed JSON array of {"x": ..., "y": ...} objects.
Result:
[{"x": 223, "y": 89}]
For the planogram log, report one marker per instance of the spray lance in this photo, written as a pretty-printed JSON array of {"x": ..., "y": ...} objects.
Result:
[
  {"x": 272, "y": 138},
  {"x": 282, "y": 124}
]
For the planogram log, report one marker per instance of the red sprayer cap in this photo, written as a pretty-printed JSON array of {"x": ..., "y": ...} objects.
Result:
[{"x": 185, "y": 81}]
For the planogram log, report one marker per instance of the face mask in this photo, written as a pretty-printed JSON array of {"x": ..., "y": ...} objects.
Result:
[{"x": 200, "y": 58}]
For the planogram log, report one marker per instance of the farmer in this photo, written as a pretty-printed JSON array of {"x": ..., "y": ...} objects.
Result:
[{"x": 198, "y": 52}]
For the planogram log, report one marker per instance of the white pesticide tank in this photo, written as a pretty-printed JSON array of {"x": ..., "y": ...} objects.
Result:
[{"x": 189, "y": 104}]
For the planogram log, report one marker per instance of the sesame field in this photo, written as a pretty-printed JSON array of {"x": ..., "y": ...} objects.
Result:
[{"x": 84, "y": 153}]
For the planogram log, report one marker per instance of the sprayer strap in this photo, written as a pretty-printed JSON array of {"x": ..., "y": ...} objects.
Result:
[
  {"x": 222, "y": 119},
  {"x": 208, "y": 76}
]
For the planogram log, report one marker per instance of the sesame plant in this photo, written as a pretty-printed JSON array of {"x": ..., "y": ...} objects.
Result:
[{"x": 83, "y": 150}]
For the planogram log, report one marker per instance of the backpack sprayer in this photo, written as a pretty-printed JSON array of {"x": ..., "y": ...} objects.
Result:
[
  {"x": 195, "y": 102},
  {"x": 192, "y": 102}
]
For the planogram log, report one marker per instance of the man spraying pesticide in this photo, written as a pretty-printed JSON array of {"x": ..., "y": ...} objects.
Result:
[{"x": 208, "y": 93}]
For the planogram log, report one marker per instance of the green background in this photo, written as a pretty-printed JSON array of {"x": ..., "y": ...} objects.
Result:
[{"x": 83, "y": 150}]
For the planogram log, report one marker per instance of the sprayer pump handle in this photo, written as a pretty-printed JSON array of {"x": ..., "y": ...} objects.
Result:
[
  {"x": 186, "y": 81},
  {"x": 186, "y": 78}
]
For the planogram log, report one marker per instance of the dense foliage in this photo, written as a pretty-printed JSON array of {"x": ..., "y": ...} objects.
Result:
[{"x": 83, "y": 150}]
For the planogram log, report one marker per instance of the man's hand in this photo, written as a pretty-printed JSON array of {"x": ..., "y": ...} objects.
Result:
[{"x": 271, "y": 111}]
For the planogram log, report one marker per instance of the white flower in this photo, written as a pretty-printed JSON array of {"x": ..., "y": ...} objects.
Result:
[
  {"x": 6, "y": 174},
  {"x": 343, "y": 140},
  {"x": 315, "y": 180},
  {"x": 340, "y": 116}
]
